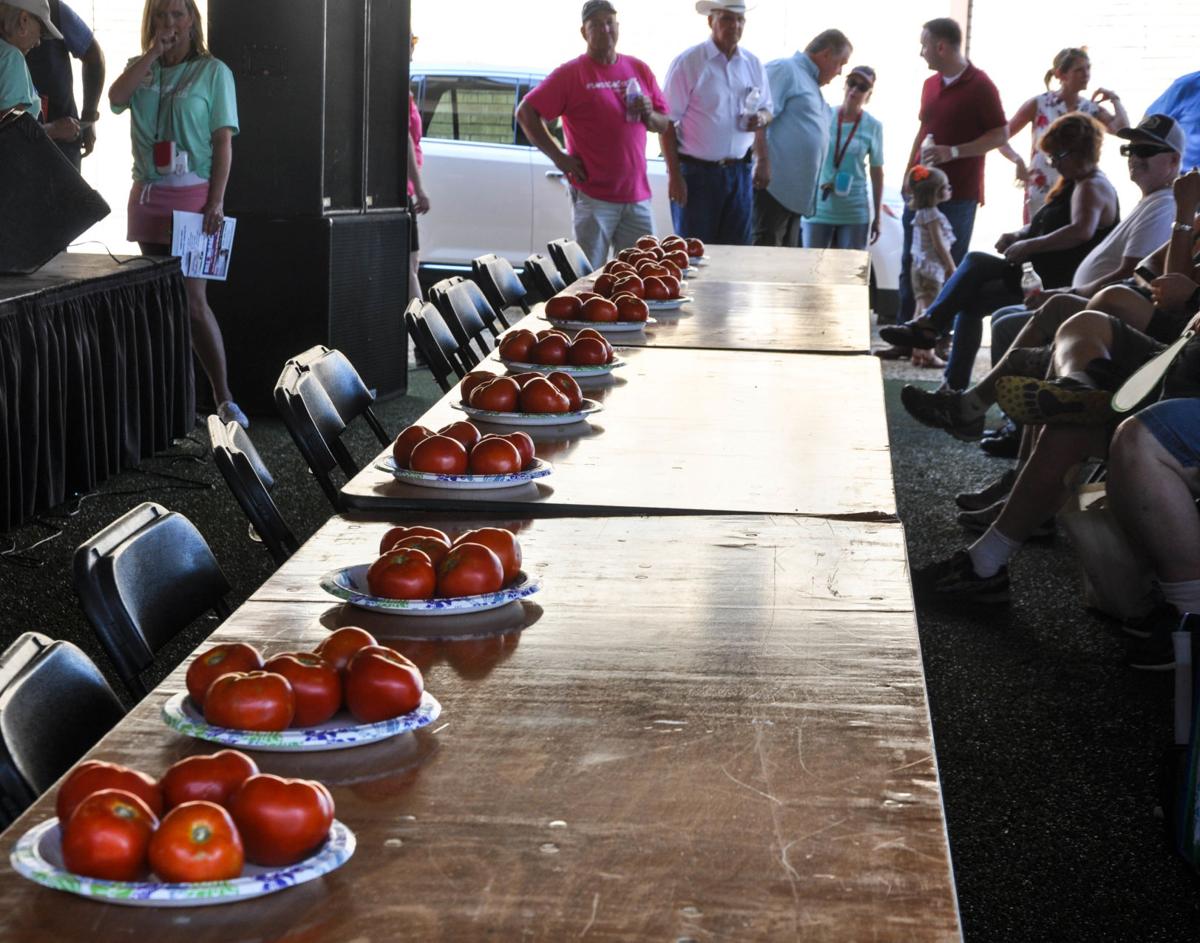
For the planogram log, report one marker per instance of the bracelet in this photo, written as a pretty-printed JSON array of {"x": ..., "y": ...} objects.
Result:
[
  {"x": 954, "y": 152},
  {"x": 1182, "y": 227}
]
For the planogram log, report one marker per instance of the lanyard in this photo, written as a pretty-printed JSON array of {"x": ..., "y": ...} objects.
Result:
[
  {"x": 181, "y": 82},
  {"x": 839, "y": 152}
]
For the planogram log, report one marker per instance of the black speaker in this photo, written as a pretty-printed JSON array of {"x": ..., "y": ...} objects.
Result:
[
  {"x": 44, "y": 203},
  {"x": 322, "y": 90},
  {"x": 339, "y": 281}
]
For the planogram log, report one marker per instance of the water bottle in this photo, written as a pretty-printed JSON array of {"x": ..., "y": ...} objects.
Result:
[
  {"x": 1031, "y": 282},
  {"x": 633, "y": 92},
  {"x": 926, "y": 143},
  {"x": 750, "y": 106}
]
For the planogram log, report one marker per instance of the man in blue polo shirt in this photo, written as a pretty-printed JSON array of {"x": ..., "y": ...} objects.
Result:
[{"x": 1181, "y": 101}]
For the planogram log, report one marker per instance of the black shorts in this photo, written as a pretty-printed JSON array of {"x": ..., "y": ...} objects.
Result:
[{"x": 1131, "y": 348}]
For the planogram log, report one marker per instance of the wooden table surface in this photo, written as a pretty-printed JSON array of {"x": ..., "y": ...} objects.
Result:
[
  {"x": 790, "y": 266},
  {"x": 688, "y": 431},
  {"x": 708, "y": 728}
]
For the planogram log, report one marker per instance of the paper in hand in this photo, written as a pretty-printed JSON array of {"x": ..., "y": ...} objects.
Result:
[{"x": 202, "y": 255}]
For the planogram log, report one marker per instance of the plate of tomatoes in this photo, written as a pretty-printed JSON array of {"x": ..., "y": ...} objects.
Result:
[
  {"x": 529, "y": 398},
  {"x": 539, "y": 469},
  {"x": 554, "y": 348},
  {"x": 459, "y": 456},
  {"x": 212, "y": 830},
  {"x": 587, "y": 407}
]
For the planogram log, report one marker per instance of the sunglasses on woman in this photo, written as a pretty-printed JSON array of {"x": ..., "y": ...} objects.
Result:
[
  {"x": 858, "y": 86},
  {"x": 1143, "y": 150}
]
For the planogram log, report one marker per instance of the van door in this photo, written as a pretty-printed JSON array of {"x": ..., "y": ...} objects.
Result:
[{"x": 551, "y": 195}]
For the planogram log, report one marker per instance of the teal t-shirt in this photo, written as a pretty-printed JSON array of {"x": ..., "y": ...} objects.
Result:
[
  {"x": 184, "y": 103},
  {"x": 866, "y": 145},
  {"x": 16, "y": 84}
]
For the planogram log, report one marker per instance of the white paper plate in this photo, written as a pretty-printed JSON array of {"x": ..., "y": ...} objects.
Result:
[
  {"x": 530, "y": 419},
  {"x": 38, "y": 857},
  {"x": 350, "y": 585},
  {"x": 604, "y": 327},
  {"x": 669, "y": 304},
  {"x": 338, "y": 733},
  {"x": 600, "y": 370},
  {"x": 702, "y": 260},
  {"x": 540, "y": 469}
]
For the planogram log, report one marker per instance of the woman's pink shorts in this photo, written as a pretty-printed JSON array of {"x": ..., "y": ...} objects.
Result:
[{"x": 151, "y": 206}]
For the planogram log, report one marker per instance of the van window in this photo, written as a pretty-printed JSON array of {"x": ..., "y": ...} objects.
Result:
[{"x": 469, "y": 108}]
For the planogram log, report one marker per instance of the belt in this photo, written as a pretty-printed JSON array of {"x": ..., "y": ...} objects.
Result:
[{"x": 727, "y": 162}]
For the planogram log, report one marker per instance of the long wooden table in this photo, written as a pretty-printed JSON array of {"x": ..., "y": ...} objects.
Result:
[
  {"x": 701, "y": 728},
  {"x": 767, "y": 265},
  {"x": 694, "y": 431}
]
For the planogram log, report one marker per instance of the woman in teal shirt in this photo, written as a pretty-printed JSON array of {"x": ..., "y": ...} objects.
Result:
[
  {"x": 843, "y": 219},
  {"x": 183, "y": 112}
]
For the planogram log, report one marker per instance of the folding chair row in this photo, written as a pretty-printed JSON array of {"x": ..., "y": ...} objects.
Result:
[
  {"x": 437, "y": 344},
  {"x": 569, "y": 259}
]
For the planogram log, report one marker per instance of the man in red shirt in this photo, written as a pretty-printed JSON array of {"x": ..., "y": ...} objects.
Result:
[{"x": 961, "y": 109}]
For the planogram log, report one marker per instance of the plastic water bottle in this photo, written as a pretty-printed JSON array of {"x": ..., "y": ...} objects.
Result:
[
  {"x": 750, "y": 106},
  {"x": 1031, "y": 282},
  {"x": 633, "y": 92},
  {"x": 926, "y": 144}
]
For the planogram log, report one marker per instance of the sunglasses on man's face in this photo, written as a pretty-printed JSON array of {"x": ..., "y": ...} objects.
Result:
[
  {"x": 1143, "y": 150},
  {"x": 858, "y": 87}
]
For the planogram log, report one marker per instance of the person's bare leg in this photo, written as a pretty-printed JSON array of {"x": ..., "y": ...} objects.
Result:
[
  {"x": 1124, "y": 303},
  {"x": 206, "y": 339},
  {"x": 414, "y": 281},
  {"x": 1085, "y": 337}
]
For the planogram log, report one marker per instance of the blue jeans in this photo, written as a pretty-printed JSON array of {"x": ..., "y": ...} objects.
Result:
[
  {"x": 835, "y": 235},
  {"x": 718, "y": 204},
  {"x": 961, "y": 216}
]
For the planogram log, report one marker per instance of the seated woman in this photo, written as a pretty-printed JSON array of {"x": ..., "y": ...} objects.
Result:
[{"x": 1080, "y": 211}]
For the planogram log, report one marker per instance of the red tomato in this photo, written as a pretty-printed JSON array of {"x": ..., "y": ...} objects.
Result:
[
  {"x": 617, "y": 267},
  {"x": 440, "y": 454},
  {"x": 250, "y": 700},
  {"x": 524, "y": 445},
  {"x": 541, "y": 396},
  {"x": 695, "y": 248},
  {"x": 494, "y": 457},
  {"x": 499, "y": 396},
  {"x": 196, "y": 841},
  {"x": 472, "y": 380},
  {"x": 316, "y": 684},
  {"x": 93, "y": 775},
  {"x": 464, "y": 432},
  {"x": 553, "y": 348},
  {"x": 656, "y": 289},
  {"x": 673, "y": 241},
  {"x": 584, "y": 296},
  {"x": 672, "y": 284},
  {"x": 382, "y": 684},
  {"x": 281, "y": 821},
  {"x": 646, "y": 242},
  {"x": 221, "y": 659},
  {"x": 503, "y": 543},
  {"x": 563, "y": 307},
  {"x": 565, "y": 384},
  {"x": 108, "y": 835},
  {"x": 341, "y": 645},
  {"x": 469, "y": 570},
  {"x": 626, "y": 255},
  {"x": 523, "y": 378},
  {"x": 435, "y": 548},
  {"x": 396, "y": 534},
  {"x": 402, "y": 574},
  {"x": 631, "y": 285},
  {"x": 406, "y": 441},
  {"x": 603, "y": 285},
  {"x": 515, "y": 345},
  {"x": 633, "y": 309},
  {"x": 208, "y": 777},
  {"x": 599, "y": 309}
]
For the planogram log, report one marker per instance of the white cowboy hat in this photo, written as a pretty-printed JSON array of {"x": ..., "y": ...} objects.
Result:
[
  {"x": 39, "y": 9},
  {"x": 705, "y": 7}
]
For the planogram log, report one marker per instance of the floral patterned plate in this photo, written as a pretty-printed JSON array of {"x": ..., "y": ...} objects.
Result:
[
  {"x": 530, "y": 419},
  {"x": 579, "y": 373},
  {"x": 604, "y": 327},
  {"x": 540, "y": 469},
  {"x": 38, "y": 857},
  {"x": 350, "y": 584},
  {"x": 338, "y": 733}
]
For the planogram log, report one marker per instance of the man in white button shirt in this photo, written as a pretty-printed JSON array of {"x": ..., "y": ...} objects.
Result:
[{"x": 720, "y": 103}]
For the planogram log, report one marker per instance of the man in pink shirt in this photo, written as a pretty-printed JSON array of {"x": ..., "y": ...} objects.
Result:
[{"x": 607, "y": 103}]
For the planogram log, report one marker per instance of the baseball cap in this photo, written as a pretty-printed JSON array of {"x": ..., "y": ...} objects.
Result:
[
  {"x": 864, "y": 72},
  {"x": 1154, "y": 129},
  {"x": 40, "y": 9},
  {"x": 593, "y": 7}
]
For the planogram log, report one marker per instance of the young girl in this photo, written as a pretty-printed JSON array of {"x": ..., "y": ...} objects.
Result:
[{"x": 932, "y": 239}]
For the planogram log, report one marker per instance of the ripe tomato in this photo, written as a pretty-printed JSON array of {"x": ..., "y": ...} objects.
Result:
[
  {"x": 695, "y": 248},
  {"x": 603, "y": 285},
  {"x": 673, "y": 241},
  {"x": 626, "y": 255},
  {"x": 472, "y": 380},
  {"x": 93, "y": 775},
  {"x": 598, "y": 309},
  {"x": 541, "y": 396},
  {"x": 469, "y": 570},
  {"x": 631, "y": 285},
  {"x": 651, "y": 269},
  {"x": 565, "y": 384},
  {"x": 585, "y": 296},
  {"x": 250, "y": 700},
  {"x": 587, "y": 351},
  {"x": 406, "y": 441},
  {"x": 646, "y": 242},
  {"x": 672, "y": 283},
  {"x": 402, "y": 574},
  {"x": 464, "y": 432},
  {"x": 563, "y": 307},
  {"x": 196, "y": 841},
  {"x": 503, "y": 543},
  {"x": 522, "y": 378},
  {"x": 435, "y": 548},
  {"x": 316, "y": 685},
  {"x": 524, "y": 445},
  {"x": 440, "y": 454},
  {"x": 341, "y": 645},
  {"x": 499, "y": 396},
  {"x": 494, "y": 456},
  {"x": 107, "y": 836},
  {"x": 382, "y": 684},
  {"x": 678, "y": 258},
  {"x": 552, "y": 349},
  {"x": 221, "y": 659},
  {"x": 396, "y": 534},
  {"x": 656, "y": 289},
  {"x": 281, "y": 821},
  {"x": 617, "y": 267},
  {"x": 515, "y": 345},
  {"x": 209, "y": 777},
  {"x": 632, "y": 309}
]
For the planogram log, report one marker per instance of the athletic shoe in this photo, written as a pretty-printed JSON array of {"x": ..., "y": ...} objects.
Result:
[
  {"x": 979, "y": 521},
  {"x": 1064, "y": 400},
  {"x": 955, "y": 580},
  {"x": 909, "y": 334},
  {"x": 988, "y": 495},
  {"x": 941, "y": 410},
  {"x": 229, "y": 411},
  {"x": 1006, "y": 443}
]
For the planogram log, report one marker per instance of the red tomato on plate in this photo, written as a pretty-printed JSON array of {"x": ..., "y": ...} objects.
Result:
[
  {"x": 196, "y": 841},
  {"x": 341, "y": 645},
  {"x": 464, "y": 432},
  {"x": 565, "y": 384},
  {"x": 435, "y": 548},
  {"x": 495, "y": 456},
  {"x": 469, "y": 570},
  {"x": 402, "y": 573},
  {"x": 208, "y": 777},
  {"x": 221, "y": 659},
  {"x": 524, "y": 445},
  {"x": 395, "y": 534},
  {"x": 542, "y": 396},
  {"x": 316, "y": 685},
  {"x": 253, "y": 700},
  {"x": 503, "y": 543},
  {"x": 281, "y": 821},
  {"x": 406, "y": 441},
  {"x": 563, "y": 307},
  {"x": 499, "y": 396},
  {"x": 382, "y": 684},
  {"x": 94, "y": 775},
  {"x": 516, "y": 345},
  {"x": 108, "y": 835},
  {"x": 440, "y": 454}
]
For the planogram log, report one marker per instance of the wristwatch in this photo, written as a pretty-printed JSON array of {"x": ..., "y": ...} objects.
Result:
[
  {"x": 954, "y": 152},
  {"x": 1182, "y": 227}
]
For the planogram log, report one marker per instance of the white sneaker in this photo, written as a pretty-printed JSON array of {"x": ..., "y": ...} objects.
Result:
[{"x": 229, "y": 411}]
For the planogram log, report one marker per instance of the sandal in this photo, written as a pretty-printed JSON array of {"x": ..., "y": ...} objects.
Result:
[
  {"x": 911, "y": 334},
  {"x": 927, "y": 358}
]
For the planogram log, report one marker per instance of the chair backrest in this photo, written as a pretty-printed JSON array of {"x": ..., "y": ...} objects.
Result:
[
  {"x": 315, "y": 427},
  {"x": 54, "y": 706},
  {"x": 541, "y": 277},
  {"x": 343, "y": 386},
  {"x": 444, "y": 372},
  {"x": 153, "y": 583},
  {"x": 466, "y": 353},
  {"x": 469, "y": 316},
  {"x": 569, "y": 259},
  {"x": 248, "y": 478},
  {"x": 500, "y": 285}
]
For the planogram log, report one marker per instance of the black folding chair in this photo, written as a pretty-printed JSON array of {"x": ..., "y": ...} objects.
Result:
[
  {"x": 500, "y": 285},
  {"x": 541, "y": 277},
  {"x": 343, "y": 386},
  {"x": 569, "y": 259},
  {"x": 144, "y": 579},
  {"x": 445, "y": 371},
  {"x": 459, "y": 301},
  {"x": 54, "y": 706},
  {"x": 250, "y": 481},
  {"x": 315, "y": 427}
]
